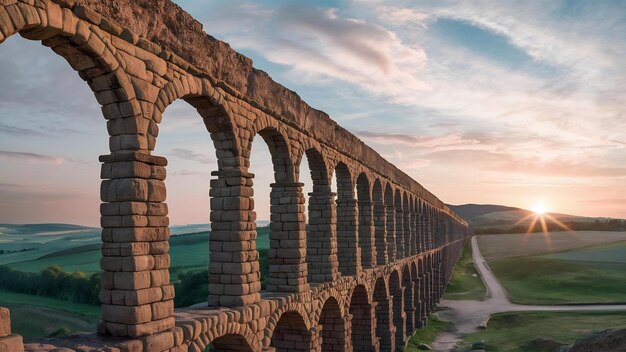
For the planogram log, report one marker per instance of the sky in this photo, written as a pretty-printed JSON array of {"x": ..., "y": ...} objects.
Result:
[{"x": 517, "y": 103}]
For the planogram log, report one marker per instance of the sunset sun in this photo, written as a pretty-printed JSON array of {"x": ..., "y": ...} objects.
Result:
[{"x": 539, "y": 209}]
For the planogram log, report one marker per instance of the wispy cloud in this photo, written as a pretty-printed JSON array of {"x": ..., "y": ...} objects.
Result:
[
  {"x": 31, "y": 157},
  {"x": 186, "y": 154}
]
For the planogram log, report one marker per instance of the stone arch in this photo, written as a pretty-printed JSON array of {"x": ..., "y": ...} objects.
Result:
[
  {"x": 321, "y": 240},
  {"x": 399, "y": 213},
  {"x": 406, "y": 230},
  {"x": 291, "y": 333},
  {"x": 366, "y": 221},
  {"x": 380, "y": 231},
  {"x": 331, "y": 327},
  {"x": 391, "y": 222},
  {"x": 280, "y": 150},
  {"x": 409, "y": 309},
  {"x": 361, "y": 322},
  {"x": 383, "y": 315},
  {"x": 230, "y": 342},
  {"x": 397, "y": 302},
  {"x": 347, "y": 239}
]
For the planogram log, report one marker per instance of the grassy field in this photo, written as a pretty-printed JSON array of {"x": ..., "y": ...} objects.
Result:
[
  {"x": 36, "y": 317},
  {"x": 428, "y": 334},
  {"x": 510, "y": 245},
  {"x": 574, "y": 270},
  {"x": 465, "y": 283},
  {"x": 188, "y": 252},
  {"x": 520, "y": 332}
]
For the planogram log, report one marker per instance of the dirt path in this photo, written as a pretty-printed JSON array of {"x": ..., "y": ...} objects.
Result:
[{"x": 468, "y": 315}]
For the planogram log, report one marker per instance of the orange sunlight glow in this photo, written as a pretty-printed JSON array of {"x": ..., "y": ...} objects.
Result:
[{"x": 538, "y": 217}]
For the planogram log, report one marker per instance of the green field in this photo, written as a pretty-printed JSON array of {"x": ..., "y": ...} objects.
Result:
[
  {"x": 510, "y": 245},
  {"x": 188, "y": 252},
  {"x": 465, "y": 283},
  {"x": 520, "y": 332},
  {"x": 569, "y": 270},
  {"x": 428, "y": 334},
  {"x": 36, "y": 317}
]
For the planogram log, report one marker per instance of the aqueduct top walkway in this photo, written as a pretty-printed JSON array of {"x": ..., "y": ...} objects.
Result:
[{"x": 362, "y": 274}]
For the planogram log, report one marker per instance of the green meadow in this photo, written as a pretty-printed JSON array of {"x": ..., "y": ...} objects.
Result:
[
  {"x": 541, "y": 331},
  {"x": 564, "y": 268}
]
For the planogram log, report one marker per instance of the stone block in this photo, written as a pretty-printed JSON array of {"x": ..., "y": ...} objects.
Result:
[{"x": 5, "y": 322}]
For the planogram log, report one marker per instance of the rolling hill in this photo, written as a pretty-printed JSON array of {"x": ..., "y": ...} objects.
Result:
[{"x": 492, "y": 218}]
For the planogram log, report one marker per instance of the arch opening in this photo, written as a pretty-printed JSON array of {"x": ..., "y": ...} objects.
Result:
[
  {"x": 332, "y": 327},
  {"x": 361, "y": 311},
  {"x": 291, "y": 334}
]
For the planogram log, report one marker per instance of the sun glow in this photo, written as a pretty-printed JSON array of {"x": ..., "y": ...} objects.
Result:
[{"x": 539, "y": 209}]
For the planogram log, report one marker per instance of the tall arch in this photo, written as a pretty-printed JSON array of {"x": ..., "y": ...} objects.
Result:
[
  {"x": 391, "y": 223},
  {"x": 409, "y": 308},
  {"x": 287, "y": 234},
  {"x": 406, "y": 230},
  {"x": 321, "y": 241},
  {"x": 130, "y": 166},
  {"x": 366, "y": 222},
  {"x": 347, "y": 222},
  {"x": 399, "y": 224},
  {"x": 362, "y": 322},
  {"x": 384, "y": 316},
  {"x": 380, "y": 230},
  {"x": 397, "y": 300}
]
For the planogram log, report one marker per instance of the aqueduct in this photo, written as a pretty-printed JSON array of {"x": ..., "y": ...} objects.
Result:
[{"x": 362, "y": 275}]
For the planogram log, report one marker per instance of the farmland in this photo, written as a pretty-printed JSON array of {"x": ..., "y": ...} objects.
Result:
[{"x": 564, "y": 268}]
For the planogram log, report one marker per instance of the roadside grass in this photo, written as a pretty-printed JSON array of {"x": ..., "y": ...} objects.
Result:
[
  {"x": 521, "y": 331},
  {"x": 466, "y": 284},
  {"x": 510, "y": 245},
  {"x": 428, "y": 334},
  {"x": 36, "y": 317},
  {"x": 535, "y": 280}
]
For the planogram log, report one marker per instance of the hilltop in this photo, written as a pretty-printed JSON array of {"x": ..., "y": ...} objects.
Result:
[{"x": 493, "y": 218}]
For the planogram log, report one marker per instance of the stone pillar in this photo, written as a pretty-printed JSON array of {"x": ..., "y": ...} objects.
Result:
[
  {"x": 423, "y": 298},
  {"x": 380, "y": 233},
  {"x": 399, "y": 233},
  {"x": 399, "y": 318},
  {"x": 391, "y": 233},
  {"x": 347, "y": 238},
  {"x": 415, "y": 232},
  {"x": 321, "y": 242},
  {"x": 234, "y": 276},
  {"x": 8, "y": 342},
  {"x": 287, "y": 255},
  {"x": 408, "y": 243},
  {"x": 137, "y": 297},
  {"x": 366, "y": 234},
  {"x": 409, "y": 309}
]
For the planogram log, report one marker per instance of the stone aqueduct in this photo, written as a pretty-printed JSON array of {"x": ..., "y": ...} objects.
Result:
[{"x": 366, "y": 270}]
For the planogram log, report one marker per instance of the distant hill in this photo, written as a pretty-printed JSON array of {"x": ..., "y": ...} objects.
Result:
[{"x": 492, "y": 218}]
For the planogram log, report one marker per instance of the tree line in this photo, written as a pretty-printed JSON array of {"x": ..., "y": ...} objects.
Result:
[{"x": 191, "y": 286}]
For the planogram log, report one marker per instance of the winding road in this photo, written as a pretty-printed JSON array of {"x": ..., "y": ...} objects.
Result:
[{"x": 467, "y": 316}]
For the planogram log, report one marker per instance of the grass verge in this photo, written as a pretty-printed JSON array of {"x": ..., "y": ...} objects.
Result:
[
  {"x": 541, "y": 331},
  {"x": 466, "y": 284},
  {"x": 428, "y": 334}
]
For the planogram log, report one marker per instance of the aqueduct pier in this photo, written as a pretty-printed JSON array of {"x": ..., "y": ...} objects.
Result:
[{"x": 362, "y": 274}]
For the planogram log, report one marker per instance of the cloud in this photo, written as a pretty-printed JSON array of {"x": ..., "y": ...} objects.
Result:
[
  {"x": 320, "y": 44},
  {"x": 186, "y": 154},
  {"x": 31, "y": 157},
  {"x": 453, "y": 140},
  {"x": 402, "y": 15}
]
